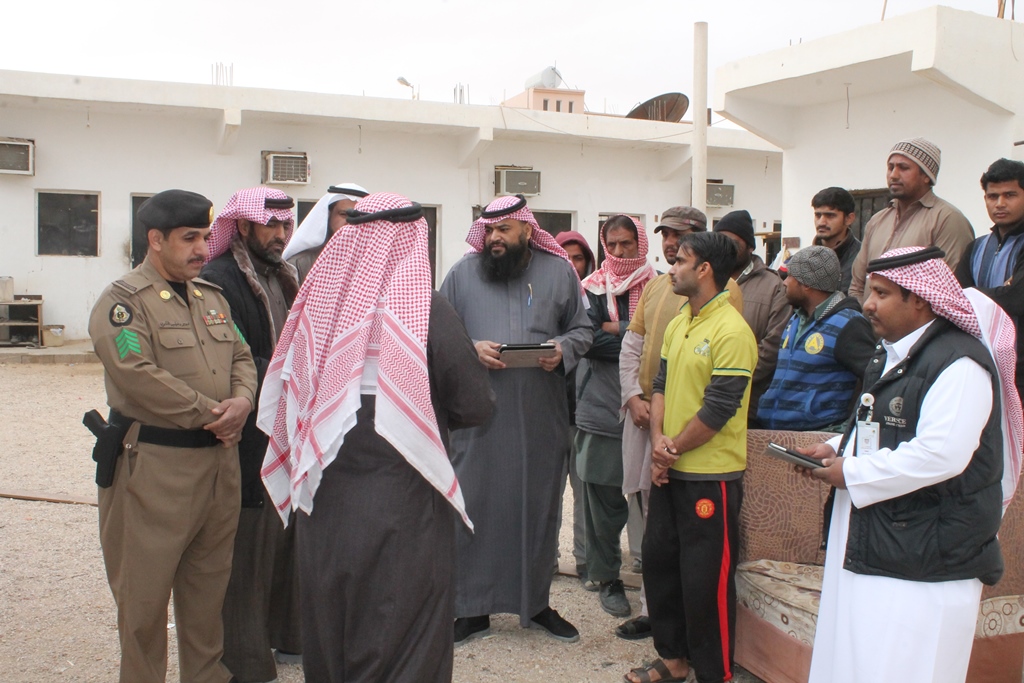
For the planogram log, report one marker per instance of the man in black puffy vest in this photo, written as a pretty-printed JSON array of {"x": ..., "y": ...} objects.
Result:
[{"x": 919, "y": 489}]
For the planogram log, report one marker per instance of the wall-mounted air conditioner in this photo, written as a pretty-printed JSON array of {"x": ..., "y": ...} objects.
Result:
[
  {"x": 285, "y": 168},
  {"x": 524, "y": 181},
  {"x": 17, "y": 156},
  {"x": 720, "y": 195}
]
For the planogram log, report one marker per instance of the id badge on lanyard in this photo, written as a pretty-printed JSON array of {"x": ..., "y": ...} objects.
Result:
[{"x": 867, "y": 430}]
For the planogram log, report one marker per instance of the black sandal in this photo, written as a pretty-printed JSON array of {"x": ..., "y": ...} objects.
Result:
[
  {"x": 637, "y": 628},
  {"x": 643, "y": 674}
]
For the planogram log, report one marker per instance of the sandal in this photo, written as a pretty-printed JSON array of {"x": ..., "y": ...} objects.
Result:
[
  {"x": 643, "y": 674},
  {"x": 637, "y": 628}
]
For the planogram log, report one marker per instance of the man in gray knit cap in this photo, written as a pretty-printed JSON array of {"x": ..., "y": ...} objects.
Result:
[
  {"x": 915, "y": 216},
  {"x": 825, "y": 349}
]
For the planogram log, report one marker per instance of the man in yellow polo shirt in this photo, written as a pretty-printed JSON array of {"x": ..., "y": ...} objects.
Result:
[{"x": 698, "y": 433}]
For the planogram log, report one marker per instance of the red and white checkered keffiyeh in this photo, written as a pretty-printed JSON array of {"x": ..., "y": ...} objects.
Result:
[
  {"x": 358, "y": 326},
  {"x": 619, "y": 275},
  {"x": 979, "y": 316},
  {"x": 249, "y": 204},
  {"x": 539, "y": 239}
]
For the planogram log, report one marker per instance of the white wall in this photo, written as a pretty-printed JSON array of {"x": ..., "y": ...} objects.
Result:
[
  {"x": 828, "y": 153},
  {"x": 123, "y": 149}
]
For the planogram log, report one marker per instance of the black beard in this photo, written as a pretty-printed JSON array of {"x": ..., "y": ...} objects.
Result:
[
  {"x": 510, "y": 264},
  {"x": 262, "y": 253}
]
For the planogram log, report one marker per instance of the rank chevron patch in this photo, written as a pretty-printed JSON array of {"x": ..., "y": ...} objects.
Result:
[{"x": 127, "y": 342}]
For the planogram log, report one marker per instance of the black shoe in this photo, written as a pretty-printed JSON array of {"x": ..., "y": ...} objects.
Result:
[
  {"x": 469, "y": 628},
  {"x": 284, "y": 657},
  {"x": 613, "y": 599},
  {"x": 634, "y": 629},
  {"x": 557, "y": 627}
]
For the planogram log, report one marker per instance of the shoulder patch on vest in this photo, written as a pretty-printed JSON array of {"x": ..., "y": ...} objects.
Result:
[{"x": 814, "y": 344}]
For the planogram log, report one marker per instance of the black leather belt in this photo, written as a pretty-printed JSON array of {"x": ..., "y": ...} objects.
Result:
[{"x": 161, "y": 436}]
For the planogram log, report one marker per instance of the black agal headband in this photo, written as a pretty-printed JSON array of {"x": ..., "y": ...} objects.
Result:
[
  {"x": 335, "y": 189},
  {"x": 403, "y": 214},
  {"x": 495, "y": 213},
  {"x": 278, "y": 203},
  {"x": 901, "y": 260}
]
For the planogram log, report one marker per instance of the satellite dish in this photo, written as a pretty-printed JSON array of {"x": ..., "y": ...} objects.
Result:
[
  {"x": 668, "y": 107},
  {"x": 548, "y": 78}
]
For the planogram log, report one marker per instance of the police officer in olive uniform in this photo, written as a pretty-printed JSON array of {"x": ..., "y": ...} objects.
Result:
[{"x": 180, "y": 383}]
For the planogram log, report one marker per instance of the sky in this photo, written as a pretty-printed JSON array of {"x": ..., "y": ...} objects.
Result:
[{"x": 620, "y": 52}]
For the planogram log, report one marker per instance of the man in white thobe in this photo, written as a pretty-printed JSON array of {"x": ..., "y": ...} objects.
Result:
[{"x": 920, "y": 488}]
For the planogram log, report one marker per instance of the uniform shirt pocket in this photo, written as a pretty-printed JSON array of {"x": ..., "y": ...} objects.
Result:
[{"x": 177, "y": 339}]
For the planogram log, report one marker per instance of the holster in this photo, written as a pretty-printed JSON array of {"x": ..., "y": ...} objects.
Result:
[{"x": 109, "y": 444}]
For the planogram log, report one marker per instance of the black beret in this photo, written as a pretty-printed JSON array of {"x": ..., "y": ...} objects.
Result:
[{"x": 176, "y": 209}]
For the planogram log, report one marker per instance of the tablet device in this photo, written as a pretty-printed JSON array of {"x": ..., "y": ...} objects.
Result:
[
  {"x": 798, "y": 459},
  {"x": 524, "y": 355}
]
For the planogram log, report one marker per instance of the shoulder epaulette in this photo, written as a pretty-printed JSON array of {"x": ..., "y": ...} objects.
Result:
[
  {"x": 132, "y": 283},
  {"x": 124, "y": 285}
]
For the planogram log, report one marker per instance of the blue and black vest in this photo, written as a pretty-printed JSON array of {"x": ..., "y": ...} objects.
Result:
[{"x": 810, "y": 389}]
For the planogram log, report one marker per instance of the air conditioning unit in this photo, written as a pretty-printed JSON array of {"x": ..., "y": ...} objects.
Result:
[
  {"x": 524, "y": 181},
  {"x": 720, "y": 195},
  {"x": 285, "y": 168},
  {"x": 17, "y": 156}
]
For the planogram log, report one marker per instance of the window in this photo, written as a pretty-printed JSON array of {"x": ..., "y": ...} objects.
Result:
[
  {"x": 431, "y": 213},
  {"x": 68, "y": 223},
  {"x": 867, "y": 203},
  {"x": 570, "y": 107},
  {"x": 545, "y": 105},
  {"x": 303, "y": 209},
  {"x": 140, "y": 242},
  {"x": 554, "y": 221},
  {"x": 558, "y": 105}
]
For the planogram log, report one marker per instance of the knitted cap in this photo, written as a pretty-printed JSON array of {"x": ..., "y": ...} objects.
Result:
[
  {"x": 738, "y": 223},
  {"x": 817, "y": 268},
  {"x": 922, "y": 152}
]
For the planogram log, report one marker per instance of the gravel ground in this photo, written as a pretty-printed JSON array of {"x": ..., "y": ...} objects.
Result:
[{"x": 57, "y": 617}]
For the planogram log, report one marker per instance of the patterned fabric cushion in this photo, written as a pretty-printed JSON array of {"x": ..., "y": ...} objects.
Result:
[
  {"x": 781, "y": 517},
  {"x": 785, "y": 594},
  {"x": 1000, "y": 616}
]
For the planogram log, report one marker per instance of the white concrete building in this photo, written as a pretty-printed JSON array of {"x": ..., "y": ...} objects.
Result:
[
  {"x": 110, "y": 143},
  {"x": 836, "y": 105}
]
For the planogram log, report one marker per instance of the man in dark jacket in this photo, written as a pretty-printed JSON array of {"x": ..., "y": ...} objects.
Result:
[
  {"x": 614, "y": 291},
  {"x": 834, "y": 213},
  {"x": 765, "y": 307},
  {"x": 993, "y": 262},
  {"x": 582, "y": 259},
  {"x": 825, "y": 349},
  {"x": 261, "y": 606}
]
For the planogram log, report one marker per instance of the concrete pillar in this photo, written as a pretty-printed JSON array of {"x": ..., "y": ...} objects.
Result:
[{"x": 699, "y": 176}]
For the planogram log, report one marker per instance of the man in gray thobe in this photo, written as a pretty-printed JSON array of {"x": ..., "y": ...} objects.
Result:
[{"x": 518, "y": 287}]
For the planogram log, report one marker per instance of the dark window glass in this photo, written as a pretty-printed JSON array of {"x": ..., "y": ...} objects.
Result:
[
  {"x": 304, "y": 207},
  {"x": 139, "y": 240},
  {"x": 68, "y": 224}
]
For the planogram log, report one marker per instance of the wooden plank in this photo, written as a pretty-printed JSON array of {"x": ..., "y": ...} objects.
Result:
[
  {"x": 47, "y": 498},
  {"x": 629, "y": 579}
]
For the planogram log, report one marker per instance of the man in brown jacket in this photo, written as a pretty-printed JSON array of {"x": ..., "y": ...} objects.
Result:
[
  {"x": 765, "y": 307},
  {"x": 180, "y": 383},
  {"x": 915, "y": 217}
]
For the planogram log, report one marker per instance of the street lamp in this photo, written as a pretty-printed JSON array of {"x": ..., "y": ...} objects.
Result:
[{"x": 402, "y": 81}]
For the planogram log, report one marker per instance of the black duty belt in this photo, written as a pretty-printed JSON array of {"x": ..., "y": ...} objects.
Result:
[{"x": 161, "y": 436}]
